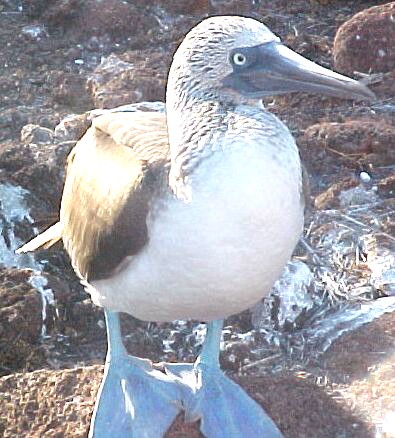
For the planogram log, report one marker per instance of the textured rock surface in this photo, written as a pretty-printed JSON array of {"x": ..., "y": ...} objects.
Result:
[
  {"x": 364, "y": 141},
  {"x": 365, "y": 43},
  {"x": 51, "y": 70},
  {"x": 59, "y": 403},
  {"x": 36, "y": 134},
  {"x": 134, "y": 77},
  {"x": 20, "y": 322}
]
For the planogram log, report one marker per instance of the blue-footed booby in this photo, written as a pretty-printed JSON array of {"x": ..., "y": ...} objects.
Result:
[{"x": 190, "y": 214}]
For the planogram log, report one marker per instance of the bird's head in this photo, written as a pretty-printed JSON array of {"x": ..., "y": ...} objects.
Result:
[{"x": 239, "y": 59}]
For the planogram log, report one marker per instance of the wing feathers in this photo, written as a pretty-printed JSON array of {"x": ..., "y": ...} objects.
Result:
[
  {"x": 112, "y": 174},
  {"x": 109, "y": 186}
]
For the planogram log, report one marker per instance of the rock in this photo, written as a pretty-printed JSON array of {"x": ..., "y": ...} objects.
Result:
[
  {"x": 385, "y": 87},
  {"x": 52, "y": 11},
  {"x": 348, "y": 393},
  {"x": 186, "y": 7},
  {"x": 237, "y": 355},
  {"x": 36, "y": 134},
  {"x": 116, "y": 18},
  {"x": 71, "y": 128},
  {"x": 13, "y": 119},
  {"x": 330, "y": 197},
  {"x": 49, "y": 403},
  {"x": 365, "y": 43},
  {"x": 40, "y": 315},
  {"x": 313, "y": 47},
  {"x": 43, "y": 79},
  {"x": 60, "y": 403},
  {"x": 81, "y": 20},
  {"x": 386, "y": 187},
  {"x": 134, "y": 78},
  {"x": 370, "y": 141},
  {"x": 10, "y": 6},
  {"x": 69, "y": 88},
  {"x": 34, "y": 32},
  {"x": 232, "y": 7},
  {"x": 20, "y": 322},
  {"x": 361, "y": 362},
  {"x": 198, "y": 8},
  {"x": 29, "y": 165}
]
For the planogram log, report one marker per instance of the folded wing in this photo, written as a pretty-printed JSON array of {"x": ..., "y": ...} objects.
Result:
[{"x": 112, "y": 175}]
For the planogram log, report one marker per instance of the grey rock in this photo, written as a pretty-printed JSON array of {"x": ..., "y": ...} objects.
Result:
[{"x": 36, "y": 134}]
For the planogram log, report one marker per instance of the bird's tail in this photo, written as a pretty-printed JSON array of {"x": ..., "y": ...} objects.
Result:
[{"x": 44, "y": 240}]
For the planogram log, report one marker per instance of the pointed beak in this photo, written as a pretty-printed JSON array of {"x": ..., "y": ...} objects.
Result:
[{"x": 273, "y": 68}]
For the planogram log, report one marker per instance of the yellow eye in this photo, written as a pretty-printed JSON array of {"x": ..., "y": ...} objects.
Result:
[{"x": 239, "y": 58}]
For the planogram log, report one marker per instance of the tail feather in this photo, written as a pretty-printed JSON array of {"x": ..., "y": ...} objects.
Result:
[{"x": 44, "y": 240}]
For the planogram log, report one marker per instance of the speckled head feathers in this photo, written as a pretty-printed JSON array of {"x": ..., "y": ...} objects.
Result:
[
  {"x": 238, "y": 60},
  {"x": 202, "y": 59},
  {"x": 228, "y": 32}
]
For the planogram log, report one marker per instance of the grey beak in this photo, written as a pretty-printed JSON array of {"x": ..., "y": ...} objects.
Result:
[{"x": 273, "y": 68}]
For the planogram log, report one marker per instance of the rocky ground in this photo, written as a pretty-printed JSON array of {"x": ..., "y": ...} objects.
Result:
[{"x": 58, "y": 60}]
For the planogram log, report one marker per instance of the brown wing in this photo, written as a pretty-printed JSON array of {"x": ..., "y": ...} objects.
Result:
[
  {"x": 111, "y": 177},
  {"x": 112, "y": 174}
]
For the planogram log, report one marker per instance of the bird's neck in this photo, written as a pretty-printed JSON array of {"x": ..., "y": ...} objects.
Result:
[
  {"x": 200, "y": 128},
  {"x": 194, "y": 128}
]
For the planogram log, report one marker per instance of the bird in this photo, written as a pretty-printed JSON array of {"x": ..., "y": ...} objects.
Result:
[{"x": 190, "y": 214}]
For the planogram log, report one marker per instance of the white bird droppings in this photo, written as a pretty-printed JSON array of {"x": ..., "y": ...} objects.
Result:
[{"x": 365, "y": 177}]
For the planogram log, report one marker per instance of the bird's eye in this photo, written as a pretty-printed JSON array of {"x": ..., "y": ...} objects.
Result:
[{"x": 239, "y": 58}]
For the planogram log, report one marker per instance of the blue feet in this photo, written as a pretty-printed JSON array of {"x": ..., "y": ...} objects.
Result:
[
  {"x": 224, "y": 408},
  {"x": 134, "y": 400}
]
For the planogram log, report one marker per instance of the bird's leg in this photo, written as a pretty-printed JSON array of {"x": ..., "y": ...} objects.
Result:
[
  {"x": 133, "y": 399},
  {"x": 224, "y": 408},
  {"x": 209, "y": 356}
]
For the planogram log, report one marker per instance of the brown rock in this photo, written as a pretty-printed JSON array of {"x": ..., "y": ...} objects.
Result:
[
  {"x": 365, "y": 43},
  {"x": 233, "y": 7},
  {"x": 62, "y": 402},
  {"x": 48, "y": 403},
  {"x": 361, "y": 364},
  {"x": 29, "y": 165},
  {"x": 201, "y": 7},
  {"x": 330, "y": 197},
  {"x": 20, "y": 321},
  {"x": 185, "y": 7},
  {"x": 386, "y": 187},
  {"x": 85, "y": 18},
  {"x": 51, "y": 11},
  {"x": 135, "y": 77},
  {"x": 367, "y": 140},
  {"x": 69, "y": 89},
  {"x": 348, "y": 392},
  {"x": 116, "y": 18}
]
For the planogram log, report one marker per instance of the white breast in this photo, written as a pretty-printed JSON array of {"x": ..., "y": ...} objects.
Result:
[{"x": 221, "y": 252}]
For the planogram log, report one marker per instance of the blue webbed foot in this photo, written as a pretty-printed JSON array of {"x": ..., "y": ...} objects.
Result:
[
  {"x": 134, "y": 399},
  {"x": 139, "y": 401},
  {"x": 224, "y": 408}
]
